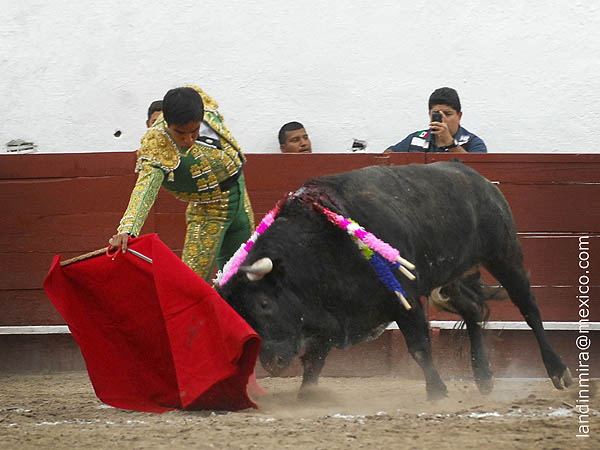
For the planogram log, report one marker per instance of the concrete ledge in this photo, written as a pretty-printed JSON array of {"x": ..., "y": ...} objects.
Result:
[{"x": 441, "y": 324}]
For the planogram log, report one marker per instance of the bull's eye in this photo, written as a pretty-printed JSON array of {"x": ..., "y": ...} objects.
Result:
[{"x": 264, "y": 304}]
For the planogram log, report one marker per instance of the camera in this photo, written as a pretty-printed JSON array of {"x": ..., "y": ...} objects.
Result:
[{"x": 436, "y": 116}]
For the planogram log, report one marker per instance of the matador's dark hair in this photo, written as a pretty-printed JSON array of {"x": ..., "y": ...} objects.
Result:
[{"x": 182, "y": 105}]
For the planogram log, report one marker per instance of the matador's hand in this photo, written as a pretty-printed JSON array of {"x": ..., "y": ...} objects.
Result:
[{"x": 119, "y": 240}]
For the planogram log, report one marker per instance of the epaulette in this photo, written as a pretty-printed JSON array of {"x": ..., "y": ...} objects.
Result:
[
  {"x": 209, "y": 102},
  {"x": 158, "y": 149},
  {"x": 214, "y": 119}
]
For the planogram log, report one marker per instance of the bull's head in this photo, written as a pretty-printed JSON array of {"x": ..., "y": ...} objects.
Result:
[
  {"x": 259, "y": 294},
  {"x": 292, "y": 278}
]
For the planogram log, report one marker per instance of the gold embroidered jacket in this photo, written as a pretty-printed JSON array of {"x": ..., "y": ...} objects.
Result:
[{"x": 192, "y": 175}]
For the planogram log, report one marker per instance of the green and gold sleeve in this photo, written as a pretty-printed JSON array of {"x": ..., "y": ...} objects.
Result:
[{"x": 142, "y": 198}]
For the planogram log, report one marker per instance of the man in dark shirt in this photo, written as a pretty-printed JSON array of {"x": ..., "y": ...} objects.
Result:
[{"x": 445, "y": 133}]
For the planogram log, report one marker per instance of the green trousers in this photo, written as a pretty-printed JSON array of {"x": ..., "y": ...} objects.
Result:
[{"x": 216, "y": 230}]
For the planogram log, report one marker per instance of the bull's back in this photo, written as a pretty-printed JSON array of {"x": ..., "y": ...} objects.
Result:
[
  {"x": 430, "y": 213},
  {"x": 442, "y": 190}
]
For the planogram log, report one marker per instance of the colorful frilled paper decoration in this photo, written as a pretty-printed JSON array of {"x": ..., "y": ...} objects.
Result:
[
  {"x": 382, "y": 256},
  {"x": 240, "y": 255}
]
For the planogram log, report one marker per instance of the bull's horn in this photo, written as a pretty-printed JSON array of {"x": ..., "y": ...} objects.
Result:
[{"x": 258, "y": 269}]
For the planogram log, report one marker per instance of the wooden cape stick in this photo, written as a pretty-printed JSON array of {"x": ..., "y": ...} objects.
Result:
[{"x": 100, "y": 251}]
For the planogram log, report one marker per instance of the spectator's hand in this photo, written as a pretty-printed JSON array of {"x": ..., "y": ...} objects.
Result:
[
  {"x": 442, "y": 133},
  {"x": 119, "y": 240}
]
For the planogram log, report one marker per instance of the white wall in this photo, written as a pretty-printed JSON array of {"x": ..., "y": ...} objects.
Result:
[{"x": 528, "y": 72}]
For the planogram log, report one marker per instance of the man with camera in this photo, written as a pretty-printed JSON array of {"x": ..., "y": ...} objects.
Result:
[{"x": 445, "y": 133}]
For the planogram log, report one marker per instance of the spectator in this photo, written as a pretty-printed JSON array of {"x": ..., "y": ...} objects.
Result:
[
  {"x": 445, "y": 134},
  {"x": 154, "y": 111},
  {"x": 293, "y": 138},
  {"x": 191, "y": 153}
]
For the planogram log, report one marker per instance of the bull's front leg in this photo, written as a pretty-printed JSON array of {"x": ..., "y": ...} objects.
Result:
[
  {"x": 414, "y": 328},
  {"x": 313, "y": 361}
]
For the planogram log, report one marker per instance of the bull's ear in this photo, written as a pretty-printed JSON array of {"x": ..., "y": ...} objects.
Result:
[{"x": 258, "y": 269}]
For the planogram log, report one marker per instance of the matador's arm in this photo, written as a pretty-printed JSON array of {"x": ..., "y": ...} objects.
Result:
[{"x": 142, "y": 198}]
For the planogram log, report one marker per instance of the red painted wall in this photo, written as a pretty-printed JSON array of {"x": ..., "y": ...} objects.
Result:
[{"x": 71, "y": 204}]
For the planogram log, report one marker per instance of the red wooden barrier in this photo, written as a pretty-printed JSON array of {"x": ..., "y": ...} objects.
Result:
[{"x": 72, "y": 203}]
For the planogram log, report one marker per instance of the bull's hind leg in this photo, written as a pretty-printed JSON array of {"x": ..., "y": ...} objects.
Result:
[
  {"x": 514, "y": 279},
  {"x": 414, "y": 328},
  {"x": 464, "y": 301}
]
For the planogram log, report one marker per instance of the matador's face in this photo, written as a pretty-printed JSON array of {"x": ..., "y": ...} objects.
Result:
[{"x": 185, "y": 135}]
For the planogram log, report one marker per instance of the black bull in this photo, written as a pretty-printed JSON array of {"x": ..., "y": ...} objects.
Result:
[{"x": 322, "y": 293}]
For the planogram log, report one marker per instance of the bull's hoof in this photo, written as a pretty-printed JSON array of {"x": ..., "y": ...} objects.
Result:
[
  {"x": 310, "y": 393},
  {"x": 563, "y": 381},
  {"x": 485, "y": 385},
  {"x": 439, "y": 393}
]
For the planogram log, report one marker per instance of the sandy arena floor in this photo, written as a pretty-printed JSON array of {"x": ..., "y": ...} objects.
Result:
[{"x": 61, "y": 411}]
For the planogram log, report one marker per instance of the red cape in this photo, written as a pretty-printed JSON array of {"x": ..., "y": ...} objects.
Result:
[{"x": 154, "y": 336}]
